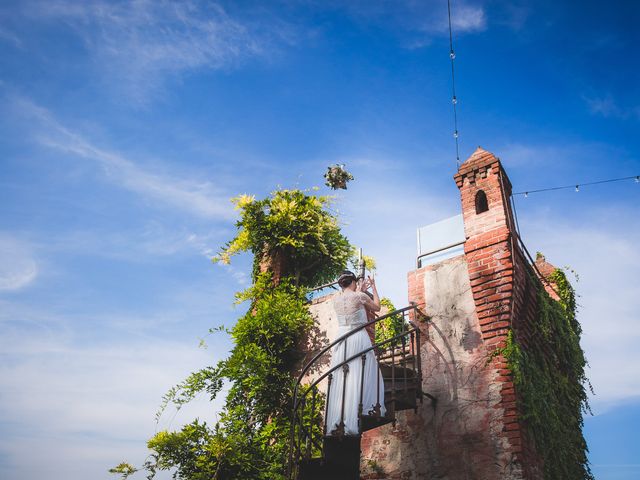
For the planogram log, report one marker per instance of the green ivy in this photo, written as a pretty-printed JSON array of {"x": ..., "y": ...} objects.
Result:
[
  {"x": 551, "y": 383},
  {"x": 295, "y": 228},
  {"x": 390, "y": 326},
  {"x": 250, "y": 439}
]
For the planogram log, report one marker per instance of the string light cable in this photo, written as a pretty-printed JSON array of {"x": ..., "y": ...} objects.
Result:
[
  {"x": 577, "y": 186},
  {"x": 454, "y": 98}
]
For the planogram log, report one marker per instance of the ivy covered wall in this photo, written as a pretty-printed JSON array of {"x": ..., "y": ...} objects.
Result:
[{"x": 548, "y": 365}]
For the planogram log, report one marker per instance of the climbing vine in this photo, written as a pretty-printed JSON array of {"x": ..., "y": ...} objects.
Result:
[
  {"x": 297, "y": 243},
  {"x": 293, "y": 231},
  {"x": 551, "y": 383},
  {"x": 390, "y": 326}
]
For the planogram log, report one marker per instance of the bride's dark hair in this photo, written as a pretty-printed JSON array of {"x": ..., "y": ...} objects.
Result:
[
  {"x": 346, "y": 278},
  {"x": 345, "y": 282}
]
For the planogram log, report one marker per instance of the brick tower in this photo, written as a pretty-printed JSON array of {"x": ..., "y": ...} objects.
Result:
[
  {"x": 488, "y": 226},
  {"x": 471, "y": 287}
]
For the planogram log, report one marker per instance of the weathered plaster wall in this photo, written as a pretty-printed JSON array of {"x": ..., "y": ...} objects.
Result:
[
  {"x": 323, "y": 332},
  {"x": 458, "y": 438}
]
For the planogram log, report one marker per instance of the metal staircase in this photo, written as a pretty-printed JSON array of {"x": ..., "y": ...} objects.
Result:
[{"x": 318, "y": 454}]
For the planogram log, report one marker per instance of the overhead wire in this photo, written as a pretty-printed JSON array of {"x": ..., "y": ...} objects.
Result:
[
  {"x": 456, "y": 133},
  {"x": 577, "y": 186},
  {"x": 454, "y": 98}
]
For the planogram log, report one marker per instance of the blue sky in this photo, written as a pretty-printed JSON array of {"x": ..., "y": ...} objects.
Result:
[{"x": 126, "y": 126}]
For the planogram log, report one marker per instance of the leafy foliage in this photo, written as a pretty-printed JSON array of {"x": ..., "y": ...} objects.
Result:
[
  {"x": 294, "y": 229},
  {"x": 390, "y": 326},
  {"x": 551, "y": 383},
  {"x": 296, "y": 233},
  {"x": 124, "y": 469}
]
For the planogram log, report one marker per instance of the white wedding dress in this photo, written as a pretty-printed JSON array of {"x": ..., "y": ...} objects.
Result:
[{"x": 350, "y": 313}]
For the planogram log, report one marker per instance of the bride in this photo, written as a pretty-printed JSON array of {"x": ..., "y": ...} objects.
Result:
[{"x": 351, "y": 305}]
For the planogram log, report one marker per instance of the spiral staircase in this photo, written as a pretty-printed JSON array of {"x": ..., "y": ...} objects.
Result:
[{"x": 316, "y": 453}]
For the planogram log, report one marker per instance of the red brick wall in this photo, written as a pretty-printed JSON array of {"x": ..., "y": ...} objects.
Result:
[
  {"x": 461, "y": 437},
  {"x": 503, "y": 291},
  {"x": 475, "y": 430}
]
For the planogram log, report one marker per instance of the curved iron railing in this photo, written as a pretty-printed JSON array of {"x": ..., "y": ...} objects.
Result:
[{"x": 398, "y": 358}]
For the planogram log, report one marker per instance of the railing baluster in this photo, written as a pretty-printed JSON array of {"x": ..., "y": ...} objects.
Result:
[
  {"x": 419, "y": 355},
  {"x": 378, "y": 408},
  {"x": 312, "y": 418},
  {"x": 326, "y": 404},
  {"x": 345, "y": 372},
  {"x": 412, "y": 339},
  {"x": 301, "y": 427},
  {"x": 393, "y": 374},
  {"x": 290, "y": 467},
  {"x": 364, "y": 360},
  {"x": 404, "y": 356}
]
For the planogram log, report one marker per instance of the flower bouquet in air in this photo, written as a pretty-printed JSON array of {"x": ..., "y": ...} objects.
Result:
[{"x": 337, "y": 177}]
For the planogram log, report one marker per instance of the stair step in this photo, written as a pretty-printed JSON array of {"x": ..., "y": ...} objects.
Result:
[
  {"x": 383, "y": 356},
  {"x": 397, "y": 369},
  {"x": 369, "y": 422},
  {"x": 340, "y": 461},
  {"x": 319, "y": 469}
]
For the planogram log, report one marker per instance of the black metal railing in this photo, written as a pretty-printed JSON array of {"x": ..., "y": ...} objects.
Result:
[{"x": 398, "y": 359}]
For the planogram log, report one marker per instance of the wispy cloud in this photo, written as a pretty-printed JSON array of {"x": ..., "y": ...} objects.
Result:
[
  {"x": 141, "y": 43},
  {"x": 469, "y": 18},
  {"x": 9, "y": 36},
  {"x": 196, "y": 197},
  {"x": 420, "y": 21},
  {"x": 604, "y": 254},
  {"x": 608, "y": 107},
  {"x": 63, "y": 402},
  {"x": 18, "y": 268},
  {"x": 139, "y": 245}
]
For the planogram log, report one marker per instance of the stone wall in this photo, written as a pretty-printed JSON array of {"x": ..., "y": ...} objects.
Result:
[
  {"x": 459, "y": 437},
  {"x": 475, "y": 430}
]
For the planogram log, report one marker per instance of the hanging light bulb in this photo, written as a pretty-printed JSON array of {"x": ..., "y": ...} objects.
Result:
[
  {"x": 577, "y": 188},
  {"x": 526, "y": 194},
  {"x": 455, "y": 134},
  {"x": 452, "y": 54},
  {"x": 454, "y": 100},
  {"x": 638, "y": 179}
]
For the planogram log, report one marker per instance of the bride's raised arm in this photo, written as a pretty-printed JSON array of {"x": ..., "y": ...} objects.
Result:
[{"x": 370, "y": 304}]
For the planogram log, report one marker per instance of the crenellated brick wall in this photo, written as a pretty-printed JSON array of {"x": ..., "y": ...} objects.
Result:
[
  {"x": 503, "y": 289},
  {"x": 488, "y": 247},
  {"x": 475, "y": 430}
]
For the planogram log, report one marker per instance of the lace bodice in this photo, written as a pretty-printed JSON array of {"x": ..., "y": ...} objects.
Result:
[{"x": 349, "y": 308}]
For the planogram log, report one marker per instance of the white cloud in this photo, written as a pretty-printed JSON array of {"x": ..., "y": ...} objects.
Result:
[
  {"x": 605, "y": 106},
  {"x": 10, "y": 37},
  {"x": 141, "y": 244},
  {"x": 196, "y": 197},
  {"x": 556, "y": 157},
  {"x": 604, "y": 253},
  {"x": 18, "y": 268},
  {"x": 608, "y": 107},
  {"x": 468, "y": 18},
  {"x": 420, "y": 21},
  {"x": 81, "y": 409},
  {"x": 138, "y": 44}
]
